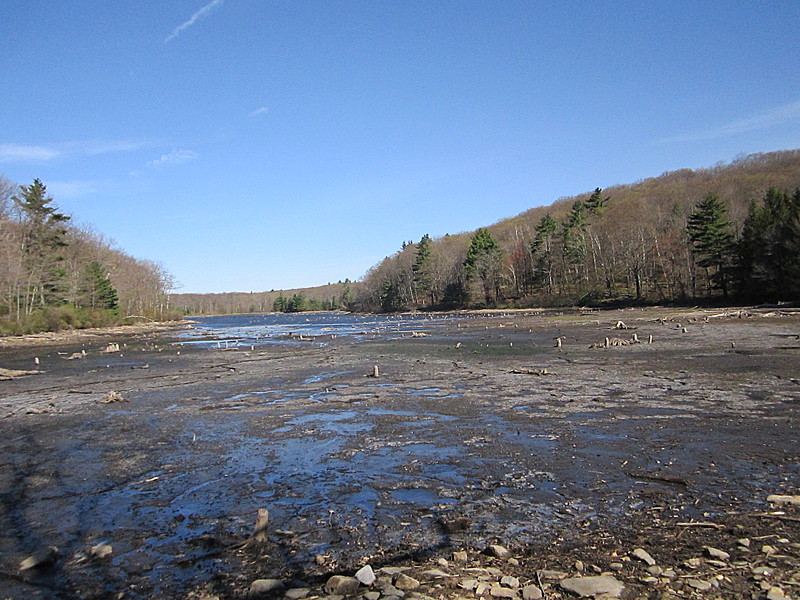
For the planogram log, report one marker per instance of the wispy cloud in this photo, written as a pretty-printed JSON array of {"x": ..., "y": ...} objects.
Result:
[
  {"x": 24, "y": 153},
  {"x": 777, "y": 116},
  {"x": 176, "y": 157},
  {"x": 259, "y": 111},
  {"x": 203, "y": 12},
  {"x": 46, "y": 152},
  {"x": 97, "y": 147}
]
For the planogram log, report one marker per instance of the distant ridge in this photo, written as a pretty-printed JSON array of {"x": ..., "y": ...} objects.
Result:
[{"x": 634, "y": 249}]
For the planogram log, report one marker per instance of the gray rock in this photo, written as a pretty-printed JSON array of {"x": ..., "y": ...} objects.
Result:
[
  {"x": 701, "y": 585},
  {"x": 498, "y": 551},
  {"x": 644, "y": 556},
  {"x": 342, "y": 585},
  {"x": 460, "y": 556},
  {"x": 372, "y": 595},
  {"x": 366, "y": 575},
  {"x": 405, "y": 582},
  {"x": 298, "y": 593},
  {"x": 468, "y": 584},
  {"x": 776, "y": 593},
  {"x": 532, "y": 592},
  {"x": 545, "y": 574},
  {"x": 39, "y": 559},
  {"x": 589, "y": 587},
  {"x": 509, "y": 581},
  {"x": 502, "y": 592},
  {"x": 101, "y": 550},
  {"x": 783, "y": 499},
  {"x": 262, "y": 586},
  {"x": 393, "y": 570},
  {"x": 717, "y": 553},
  {"x": 436, "y": 573}
]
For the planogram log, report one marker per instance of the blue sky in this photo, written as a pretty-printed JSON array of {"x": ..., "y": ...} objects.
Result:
[{"x": 250, "y": 145}]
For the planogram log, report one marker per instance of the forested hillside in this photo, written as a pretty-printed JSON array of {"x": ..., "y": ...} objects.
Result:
[
  {"x": 334, "y": 296},
  {"x": 56, "y": 275},
  {"x": 728, "y": 231}
]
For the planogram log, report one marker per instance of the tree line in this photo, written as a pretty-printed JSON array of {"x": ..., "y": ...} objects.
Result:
[
  {"x": 725, "y": 233},
  {"x": 334, "y": 296},
  {"x": 54, "y": 274}
]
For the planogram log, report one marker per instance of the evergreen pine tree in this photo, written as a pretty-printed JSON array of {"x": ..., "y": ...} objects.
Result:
[
  {"x": 712, "y": 240},
  {"x": 483, "y": 261},
  {"x": 769, "y": 249},
  {"x": 422, "y": 267},
  {"x": 43, "y": 242},
  {"x": 97, "y": 291}
]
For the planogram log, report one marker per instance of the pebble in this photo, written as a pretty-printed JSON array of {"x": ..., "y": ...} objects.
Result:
[
  {"x": 782, "y": 499},
  {"x": 366, "y": 575},
  {"x": 776, "y": 593},
  {"x": 101, "y": 550},
  {"x": 263, "y": 586},
  {"x": 501, "y": 592},
  {"x": 589, "y": 587},
  {"x": 699, "y": 584},
  {"x": 532, "y": 592},
  {"x": 498, "y": 551},
  {"x": 717, "y": 553},
  {"x": 552, "y": 574},
  {"x": 300, "y": 593},
  {"x": 509, "y": 581},
  {"x": 41, "y": 558},
  {"x": 342, "y": 585},
  {"x": 644, "y": 556},
  {"x": 436, "y": 573},
  {"x": 468, "y": 584},
  {"x": 372, "y": 595},
  {"x": 405, "y": 582}
]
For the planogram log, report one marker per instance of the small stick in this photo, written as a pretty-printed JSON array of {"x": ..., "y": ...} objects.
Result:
[{"x": 701, "y": 524}]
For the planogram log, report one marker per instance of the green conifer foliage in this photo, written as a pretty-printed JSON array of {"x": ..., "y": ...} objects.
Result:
[
  {"x": 484, "y": 264},
  {"x": 423, "y": 269},
  {"x": 712, "y": 240},
  {"x": 769, "y": 249},
  {"x": 43, "y": 241},
  {"x": 98, "y": 292}
]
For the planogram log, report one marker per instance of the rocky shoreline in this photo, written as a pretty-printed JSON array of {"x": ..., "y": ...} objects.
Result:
[{"x": 498, "y": 456}]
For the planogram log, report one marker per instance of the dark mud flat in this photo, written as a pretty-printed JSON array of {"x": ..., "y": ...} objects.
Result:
[{"x": 484, "y": 432}]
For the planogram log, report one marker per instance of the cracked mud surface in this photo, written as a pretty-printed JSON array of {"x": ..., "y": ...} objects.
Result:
[{"x": 484, "y": 420}]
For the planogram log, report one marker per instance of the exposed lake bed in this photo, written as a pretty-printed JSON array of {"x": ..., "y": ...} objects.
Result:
[{"x": 475, "y": 430}]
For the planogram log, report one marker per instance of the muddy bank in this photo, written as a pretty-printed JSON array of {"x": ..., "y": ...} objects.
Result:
[{"x": 494, "y": 429}]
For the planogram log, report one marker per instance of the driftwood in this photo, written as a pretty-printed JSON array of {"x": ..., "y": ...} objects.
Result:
[
  {"x": 538, "y": 372},
  {"x": 8, "y": 374},
  {"x": 670, "y": 479},
  {"x": 260, "y": 530},
  {"x": 705, "y": 524}
]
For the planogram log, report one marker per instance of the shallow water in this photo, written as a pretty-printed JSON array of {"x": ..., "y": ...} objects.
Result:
[{"x": 231, "y": 331}]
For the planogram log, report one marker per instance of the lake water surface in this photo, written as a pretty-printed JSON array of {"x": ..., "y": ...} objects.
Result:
[{"x": 263, "y": 329}]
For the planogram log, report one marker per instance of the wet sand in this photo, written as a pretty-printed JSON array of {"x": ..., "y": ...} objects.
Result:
[{"x": 484, "y": 432}]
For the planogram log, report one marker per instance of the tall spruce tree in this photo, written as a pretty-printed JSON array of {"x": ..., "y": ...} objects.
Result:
[
  {"x": 43, "y": 242},
  {"x": 483, "y": 263},
  {"x": 713, "y": 241},
  {"x": 769, "y": 249},
  {"x": 97, "y": 290},
  {"x": 422, "y": 269}
]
